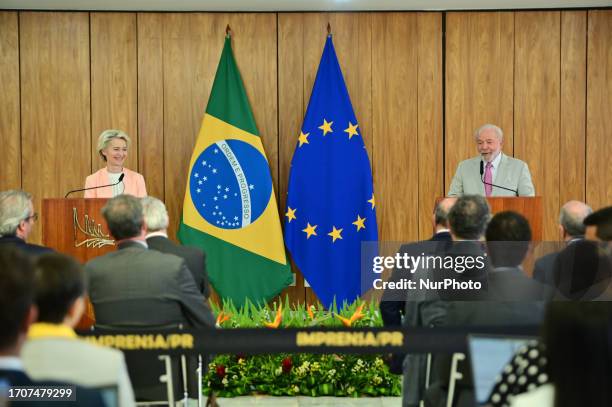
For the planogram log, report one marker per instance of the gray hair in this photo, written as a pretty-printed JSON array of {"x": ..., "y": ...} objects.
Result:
[
  {"x": 123, "y": 215},
  {"x": 498, "y": 132},
  {"x": 14, "y": 207},
  {"x": 155, "y": 214},
  {"x": 442, "y": 210},
  {"x": 107, "y": 135},
  {"x": 572, "y": 215},
  {"x": 469, "y": 216}
]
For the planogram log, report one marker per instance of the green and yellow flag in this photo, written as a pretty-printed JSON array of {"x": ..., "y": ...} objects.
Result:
[{"x": 230, "y": 209}]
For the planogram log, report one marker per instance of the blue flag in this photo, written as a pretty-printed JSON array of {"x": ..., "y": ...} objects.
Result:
[{"x": 330, "y": 203}]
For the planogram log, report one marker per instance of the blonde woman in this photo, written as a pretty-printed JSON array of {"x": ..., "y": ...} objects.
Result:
[{"x": 113, "y": 147}]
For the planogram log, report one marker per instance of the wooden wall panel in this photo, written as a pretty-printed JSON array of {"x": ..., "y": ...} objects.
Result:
[
  {"x": 573, "y": 100},
  {"x": 55, "y": 103},
  {"x": 479, "y": 79},
  {"x": 291, "y": 99},
  {"x": 537, "y": 106},
  {"x": 114, "y": 87},
  {"x": 599, "y": 109},
  {"x": 430, "y": 133},
  {"x": 255, "y": 48},
  {"x": 352, "y": 37},
  {"x": 151, "y": 102},
  {"x": 395, "y": 117},
  {"x": 192, "y": 45},
  {"x": 10, "y": 137},
  {"x": 291, "y": 109}
]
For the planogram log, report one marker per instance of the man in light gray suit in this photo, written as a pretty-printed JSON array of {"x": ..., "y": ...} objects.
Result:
[
  {"x": 134, "y": 286},
  {"x": 473, "y": 178}
]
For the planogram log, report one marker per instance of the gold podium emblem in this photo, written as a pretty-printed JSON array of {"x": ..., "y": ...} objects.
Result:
[{"x": 95, "y": 238}]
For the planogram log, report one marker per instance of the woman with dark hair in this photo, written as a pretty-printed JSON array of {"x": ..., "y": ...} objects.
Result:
[{"x": 578, "y": 343}]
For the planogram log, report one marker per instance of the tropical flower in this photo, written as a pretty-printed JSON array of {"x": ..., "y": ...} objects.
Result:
[
  {"x": 222, "y": 317},
  {"x": 220, "y": 369},
  {"x": 277, "y": 319},
  {"x": 348, "y": 322},
  {"x": 287, "y": 364},
  {"x": 310, "y": 311}
]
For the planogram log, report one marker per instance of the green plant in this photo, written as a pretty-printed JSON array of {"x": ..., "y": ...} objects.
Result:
[{"x": 300, "y": 374}]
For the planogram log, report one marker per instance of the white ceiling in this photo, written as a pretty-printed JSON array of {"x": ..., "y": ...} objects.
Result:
[{"x": 294, "y": 5}]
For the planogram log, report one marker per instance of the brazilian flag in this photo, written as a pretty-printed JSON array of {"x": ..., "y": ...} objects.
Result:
[{"x": 230, "y": 209}]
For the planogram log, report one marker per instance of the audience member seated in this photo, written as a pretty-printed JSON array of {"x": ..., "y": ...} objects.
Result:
[
  {"x": 134, "y": 286},
  {"x": 17, "y": 219},
  {"x": 53, "y": 351},
  {"x": 508, "y": 242},
  {"x": 571, "y": 230},
  {"x": 512, "y": 380},
  {"x": 572, "y": 369},
  {"x": 582, "y": 271},
  {"x": 17, "y": 312},
  {"x": 156, "y": 219},
  {"x": 599, "y": 225},
  {"x": 391, "y": 308},
  {"x": 467, "y": 220},
  {"x": 519, "y": 305}
]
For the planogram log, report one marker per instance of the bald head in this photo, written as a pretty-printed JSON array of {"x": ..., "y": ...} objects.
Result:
[
  {"x": 571, "y": 218},
  {"x": 441, "y": 212}
]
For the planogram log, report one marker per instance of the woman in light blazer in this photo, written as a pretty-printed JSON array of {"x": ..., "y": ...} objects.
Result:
[{"x": 113, "y": 148}]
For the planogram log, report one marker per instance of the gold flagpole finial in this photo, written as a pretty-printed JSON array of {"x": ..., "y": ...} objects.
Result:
[{"x": 228, "y": 31}]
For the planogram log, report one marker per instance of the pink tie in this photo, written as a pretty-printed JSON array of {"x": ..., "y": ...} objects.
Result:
[{"x": 488, "y": 179}]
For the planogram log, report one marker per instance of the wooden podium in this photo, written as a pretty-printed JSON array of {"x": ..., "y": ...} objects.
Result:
[
  {"x": 529, "y": 207},
  {"x": 75, "y": 226}
]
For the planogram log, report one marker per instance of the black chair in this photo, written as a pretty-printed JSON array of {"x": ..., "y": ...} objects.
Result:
[{"x": 158, "y": 379}]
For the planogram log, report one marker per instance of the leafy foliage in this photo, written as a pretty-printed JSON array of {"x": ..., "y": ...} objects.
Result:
[{"x": 300, "y": 374}]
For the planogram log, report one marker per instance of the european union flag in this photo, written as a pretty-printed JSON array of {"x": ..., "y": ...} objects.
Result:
[{"x": 330, "y": 203}]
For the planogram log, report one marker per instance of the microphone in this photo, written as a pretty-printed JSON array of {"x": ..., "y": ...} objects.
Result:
[
  {"x": 99, "y": 186},
  {"x": 493, "y": 185}
]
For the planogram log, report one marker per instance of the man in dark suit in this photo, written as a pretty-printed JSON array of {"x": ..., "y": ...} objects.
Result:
[
  {"x": 17, "y": 219},
  {"x": 17, "y": 312},
  {"x": 571, "y": 228},
  {"x": 467, "y": 220},
  {"x": 134, "y": 286},
  {"x": 156, "y": 219},
  {"x": 508, "y": 241},
  {"x": 511, "y": 298},
  {"x": 599, "y": 225},
  {"x": 391, "y": 309}
]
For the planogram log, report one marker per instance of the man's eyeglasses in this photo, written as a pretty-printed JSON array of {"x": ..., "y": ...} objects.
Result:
[{"x": 33, "y": 217}]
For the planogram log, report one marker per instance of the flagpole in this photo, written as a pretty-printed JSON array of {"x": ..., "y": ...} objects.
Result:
[
  {"x": 228, "y": 31},
  {"x": 328, "y": 29}
]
